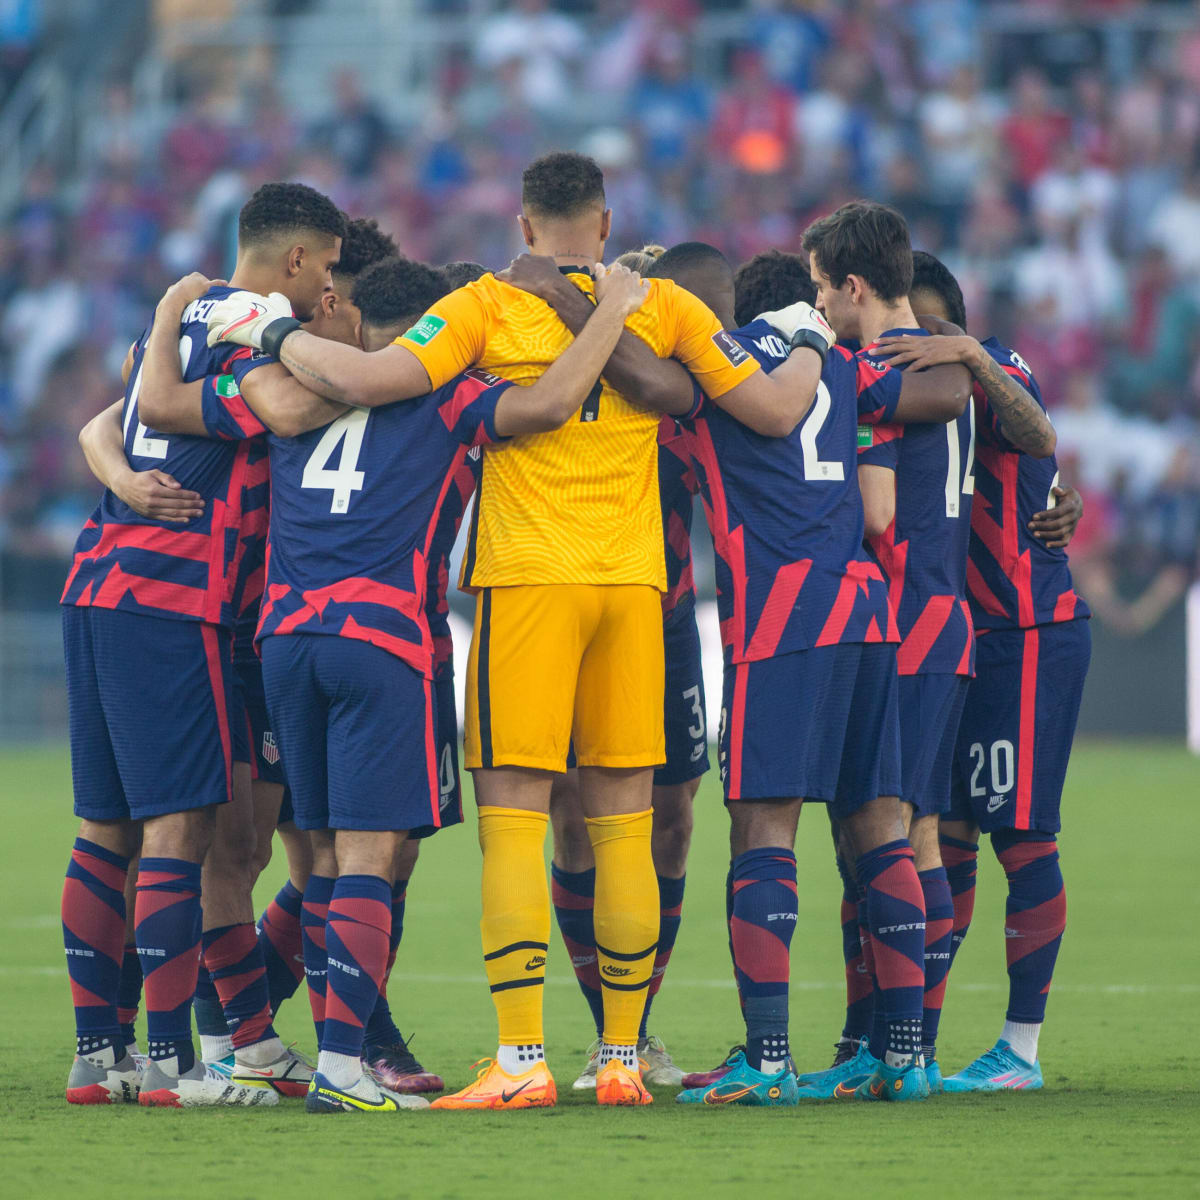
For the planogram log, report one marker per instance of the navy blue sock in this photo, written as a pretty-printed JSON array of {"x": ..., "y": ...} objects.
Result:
[
  {"x": 574, "y": 896},
  {"x": 670, "y": 917}
]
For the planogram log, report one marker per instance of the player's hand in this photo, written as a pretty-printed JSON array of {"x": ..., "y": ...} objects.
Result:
[
  {"x": 537, "y": 274},
  {"x": 183, "y": 291},
  {"x": 620, "y": 288},
  {"x": 157, "y": 495},
  {"x": 911, "y": 350},
  {"x": 798, "y": 316},
  {"x": 1056, "y": 526},
  {"x": 243, "y": 317}
]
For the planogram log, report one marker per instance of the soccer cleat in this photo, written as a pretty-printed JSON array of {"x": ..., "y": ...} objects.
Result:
[
  {"x": 222, "y": 1066},
  {"x": 289, "y": 1075},
  {"x": 742, "y": 1084},
  {"x": 704, "y": 1079},
  {"x": 586, "y": 1082},
  {"x": 364, "y": 1095},
  {"x": 895, "y": 1083},
  {"x": 496, "y": 1088},
  {"x": 998, "y": 1070},
  {"x": 201, "y": 1087},
  {"x": 93, "y": 1082},
  {"x": 656, "y": 1064},
  {"x": 397, "y": 1069},
  {"x": 934, "y": 1074},
  {"x": 839, "y": 1081},
  {"x": 617, "y": 1085}
]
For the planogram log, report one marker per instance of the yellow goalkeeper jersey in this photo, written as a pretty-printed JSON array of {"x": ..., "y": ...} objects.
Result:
[{"x": 579, "y": 504}]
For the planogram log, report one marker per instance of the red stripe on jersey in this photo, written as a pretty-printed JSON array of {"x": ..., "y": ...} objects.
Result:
[
  {"x": 1027, "y": 722},
  {"x": 465, "y": 394},
  {"x": 856, "y": 577},
  {"x": 925, "y": 631},
  {"x": 1064, "y": 606},
  {"x": 153, "y": 593},
  {"x": 778, "y": 608},
  {"x": 216, "y": 677},
  {"x": 409, "y": 652},
  {"x": 894, "y": 557},
  {"x": 737, "y": 722},
  {"x": 964, "y": 663},
  {"x": 1016, "y": 372},
  {"x": 1016, "y": 565},
  {"x": 982, "y": 594}
]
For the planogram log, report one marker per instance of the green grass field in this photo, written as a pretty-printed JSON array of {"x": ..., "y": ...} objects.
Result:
[{"x": 1120, "y": 1114}]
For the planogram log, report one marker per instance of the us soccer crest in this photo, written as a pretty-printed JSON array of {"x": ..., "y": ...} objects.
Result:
[{"x": 270, "y": 748}]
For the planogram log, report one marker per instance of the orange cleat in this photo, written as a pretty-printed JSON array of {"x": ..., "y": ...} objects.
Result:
[
  {"x": 617, "y": 1084},
  {"x": 495, "y": 1088}
]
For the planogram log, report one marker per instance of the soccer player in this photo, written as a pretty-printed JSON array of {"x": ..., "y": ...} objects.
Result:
[
  {"x": 1034, "y": 648},
  {"x": 566, "y": 555},
  {"x": 147, "y": 615},
  {"x": 917, "y": 482},
  {"x": 803, "y": 614},
  {"x": 354, "y": 707}
]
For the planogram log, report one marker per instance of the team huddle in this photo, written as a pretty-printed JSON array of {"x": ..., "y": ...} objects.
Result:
[{"x": 257, "y": 644}]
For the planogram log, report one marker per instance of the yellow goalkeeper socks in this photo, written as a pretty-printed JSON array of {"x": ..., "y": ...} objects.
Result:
[
  {"x": 626, "y": 919},
  {"x": 516, "y": 919}
]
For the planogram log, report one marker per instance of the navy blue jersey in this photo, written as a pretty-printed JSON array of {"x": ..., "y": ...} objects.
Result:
[
  {"x": 185, "y": 572},
  {"x": 924, "y": 551},
  {"x": 355, "y": 513},
  {"x": 677, "y": 486},
  {"x": 1014, "y": 580},
  {"x": 786, "y": 515}
]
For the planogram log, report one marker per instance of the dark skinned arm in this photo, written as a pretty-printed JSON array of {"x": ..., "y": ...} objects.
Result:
[{"x": 633, "y": 369}]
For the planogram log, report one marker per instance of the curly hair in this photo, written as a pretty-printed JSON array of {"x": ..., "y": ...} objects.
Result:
[
  {"x": 364, "y": 245},
  {"x": 932, "y": 275},
  {"x": 459, "y": 274},
  {"x": 285, "y": 208},
  {"x": 866, "y": 239},
  {"x": 770, "y": 281},
  {"x": 562, "y": 184},
  {"x": 396, "y": 290}
]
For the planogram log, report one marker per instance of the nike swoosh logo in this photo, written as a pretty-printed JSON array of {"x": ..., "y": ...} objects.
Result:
[
  {"x": 843, "y": 1091},
  {"x": 505, "y": 1097},
  {"x": 715, "y": 1097}
]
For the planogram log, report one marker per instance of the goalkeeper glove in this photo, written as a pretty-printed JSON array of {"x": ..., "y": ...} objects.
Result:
[
  {"x": 798, "y": 317},
  {"x": 260, "y": 322}
]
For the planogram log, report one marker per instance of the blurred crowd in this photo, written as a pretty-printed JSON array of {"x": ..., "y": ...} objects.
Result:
[{"x": 1067, "y": 200}]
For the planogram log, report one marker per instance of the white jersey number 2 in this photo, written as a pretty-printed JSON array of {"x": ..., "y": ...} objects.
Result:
[{"x": 345, "y": 479}]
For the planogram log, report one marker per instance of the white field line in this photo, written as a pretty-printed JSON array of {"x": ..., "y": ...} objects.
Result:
[{"x": 798, "y": 985}]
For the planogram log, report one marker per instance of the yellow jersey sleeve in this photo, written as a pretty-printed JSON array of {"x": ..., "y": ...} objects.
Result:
[
  {"x": 451, "y": 336},
  {"x": 698, "y": 340}
]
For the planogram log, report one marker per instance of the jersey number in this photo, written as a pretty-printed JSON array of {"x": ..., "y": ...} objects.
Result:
[
  {"x": 815, "y": 467},
  {"x": 143, "y": 446},
  {"x": 344, "y": 479},
  {"x": 953, "y": 504},
  {"x": 1002, "y": 762}
]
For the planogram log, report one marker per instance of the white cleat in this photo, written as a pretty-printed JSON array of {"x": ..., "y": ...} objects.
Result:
[
  {"x": 587, "y": 1077},
  {"x": 201, "y": 1087},
  {"x": 364, "y": 1095},
  {"x": 657, "y": 1065},
  {"x": 289, "y": 1075},
  {"x": 102, "y": 1079}
]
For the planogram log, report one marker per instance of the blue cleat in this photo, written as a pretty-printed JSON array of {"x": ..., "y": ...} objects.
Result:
[
  {"x": 895, "y": 1083},
  {"x": 934, "y": 1074},
  {"x": 998, "y": 1070},
  {"x": 839, "y": 1081},
  {"x": 742, "y": 1084}
]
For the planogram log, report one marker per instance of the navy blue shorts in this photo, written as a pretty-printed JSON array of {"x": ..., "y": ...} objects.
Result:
[
  {"x": 685, "y": 720},
  {"x": 1018, "y": 724},
  {"x": 817, "y": 724},
  {"x": 149, "y": 702},
  {"x": 446, "y": 729},
  {"x": 253, "y": 736},
  {"x": 356, "y": 727},
  {"x": 287, "y": 810},
  {"x": 930, "y": 711}
]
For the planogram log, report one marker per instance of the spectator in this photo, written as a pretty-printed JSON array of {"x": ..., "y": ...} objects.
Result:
[
  {"x": 546, "y": 45},
  {"x": 356, "y": 132},
  {"x": 1034, "y": 131}
]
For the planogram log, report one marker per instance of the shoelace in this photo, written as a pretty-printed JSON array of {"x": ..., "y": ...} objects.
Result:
[{"x": 992, "y": 1062}]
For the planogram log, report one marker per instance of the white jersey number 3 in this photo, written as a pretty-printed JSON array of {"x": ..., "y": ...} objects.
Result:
[{"x": 345, "y": 479}]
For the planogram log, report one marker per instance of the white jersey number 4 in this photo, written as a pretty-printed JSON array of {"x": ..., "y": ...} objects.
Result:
[{"x": 345, "y": 479}]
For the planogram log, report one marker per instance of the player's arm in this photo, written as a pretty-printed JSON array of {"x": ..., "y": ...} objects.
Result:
[
  {"x": 153, "y": 494},
  {"x": 1056, "y": 526},
  {"x": 443, "y": 344},
  {"x": 775, "y": 404},
  {"x": 164, "y": 401},
  {"x": 562, "y": 388},
  {"x": 1022, "y": 419},
  {"x": 284, "y": 405},
  {"x": 878, "y": 487},
  {"x": 633, "y": 369}
]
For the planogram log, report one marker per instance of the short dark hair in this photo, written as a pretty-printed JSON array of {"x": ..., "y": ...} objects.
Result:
[
  {"x": 364, "y": 245},
  {"x": 562, "y": 184},
  {"x": 770, "y": 281},
  {"x": 688, "y": 256},
  {"x": 459, "y": 274},
  {"x": 288, "y": 207},
  {"x": 396, "y": 290},
  {"x": 866, "y": 239},
  {"x": 932, "y": 275}
]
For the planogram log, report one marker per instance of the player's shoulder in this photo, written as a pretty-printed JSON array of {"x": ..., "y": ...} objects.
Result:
[{"x": 1011, "y": 361}]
